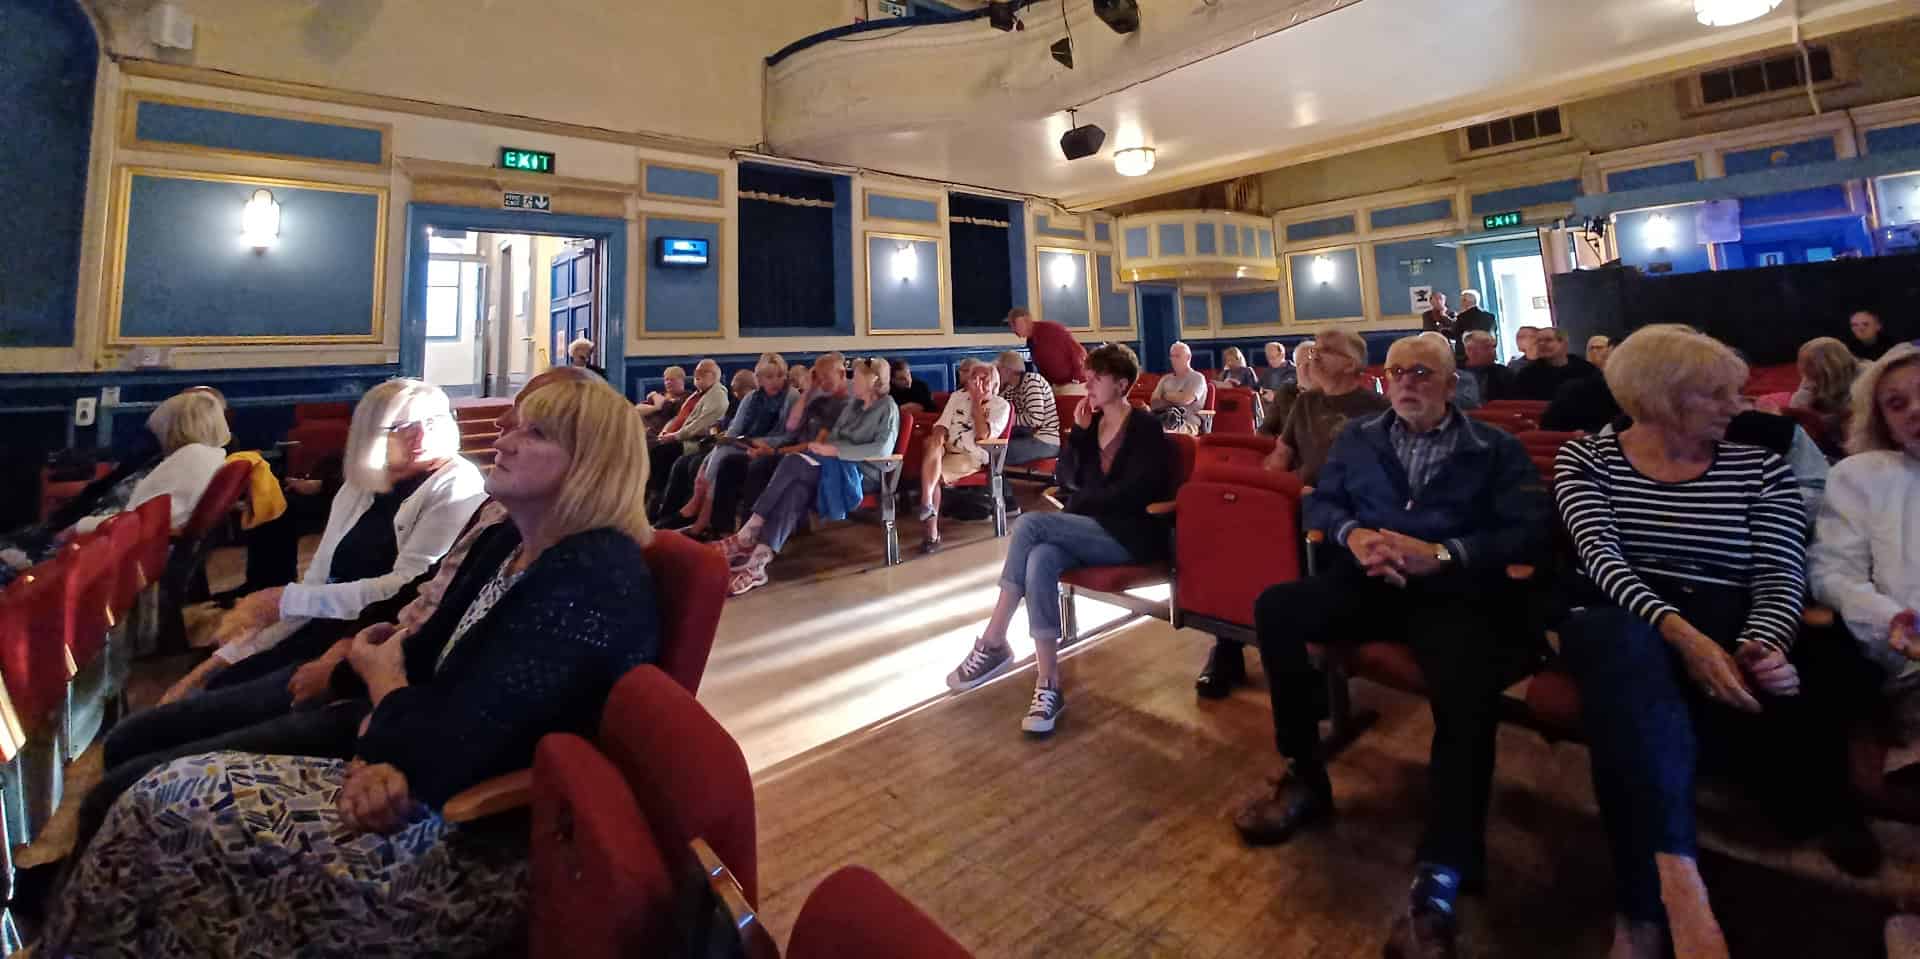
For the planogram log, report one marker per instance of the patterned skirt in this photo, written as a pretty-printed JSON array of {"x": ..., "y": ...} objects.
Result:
[{"x": 234, "y": 854}]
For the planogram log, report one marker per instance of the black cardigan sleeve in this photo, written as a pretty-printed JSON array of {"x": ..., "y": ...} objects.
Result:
[
  {"x": 1141, "y": 470},
  {"x": 542, "y": 660}
]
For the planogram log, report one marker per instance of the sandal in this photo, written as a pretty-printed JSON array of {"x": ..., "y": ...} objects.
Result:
[
  {"x": 746, "y": 579},
  {"x": 735, "y": 550}
]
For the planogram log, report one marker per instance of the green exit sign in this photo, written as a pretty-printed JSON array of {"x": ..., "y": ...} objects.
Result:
[
  {"x": 1500, "y": 221},
  {"x": 531, "y": 161}
]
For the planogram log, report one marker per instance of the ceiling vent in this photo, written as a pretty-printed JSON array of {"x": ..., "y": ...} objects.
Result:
[
  {"x": 1509, "y": 132},
  {"x": 1758, "y": 78}
]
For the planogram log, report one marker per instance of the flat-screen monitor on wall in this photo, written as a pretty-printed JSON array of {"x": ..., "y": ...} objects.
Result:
[{"x": 681, "y": 251}]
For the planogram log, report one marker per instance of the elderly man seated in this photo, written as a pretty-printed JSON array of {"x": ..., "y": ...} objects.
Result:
[
  {"x": 1424, "y": 507},
  {"x": 1180, "y": 395},
  {"x": 1036, "y": 414}
]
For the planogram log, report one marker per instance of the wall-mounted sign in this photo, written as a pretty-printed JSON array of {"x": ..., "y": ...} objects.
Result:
[
  {"x": 1416, "y": 265},
  {"x": 1500, "y": 221},
  {"x": 681, "y": 251},
  {"x": 533, "y": 202},
  {"x": 526, "y": 161},
  {"x": 1421, "y": 297}
]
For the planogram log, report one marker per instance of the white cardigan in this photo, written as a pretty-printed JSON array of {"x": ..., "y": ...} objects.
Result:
[
  {"x": 425, "y": 527},
  {"x": 1865, "y": 558},
  {"x": 183, "y": 475}
]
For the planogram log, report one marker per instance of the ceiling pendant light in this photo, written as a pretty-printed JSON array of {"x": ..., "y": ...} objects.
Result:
[
  {"x": 1133, "y": 161},
  {"x": 1726, "y": 13}
]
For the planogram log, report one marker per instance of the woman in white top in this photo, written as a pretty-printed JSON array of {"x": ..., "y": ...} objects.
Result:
[
  {"x": 408, "y": 494},
  {"x": 192, "y": 429}
]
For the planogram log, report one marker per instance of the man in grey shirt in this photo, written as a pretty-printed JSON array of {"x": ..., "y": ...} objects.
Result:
[{"x": 1181, "y": 394}]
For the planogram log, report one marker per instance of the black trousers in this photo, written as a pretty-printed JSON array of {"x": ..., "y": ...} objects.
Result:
[
  {"x": 679, "y": 488},
  {"x": 760, "y": 472},
  {"x": 1452, "y": 623},
  {"x": 273, "y": 549},
  {"x": 729, "y": 482},
  {"x": 660, "y": 460}
]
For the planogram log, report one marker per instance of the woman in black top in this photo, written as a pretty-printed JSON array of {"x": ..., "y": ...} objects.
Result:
[
  {"x": 1115, "y": 462},
  {"x": 231, "y": 853}
]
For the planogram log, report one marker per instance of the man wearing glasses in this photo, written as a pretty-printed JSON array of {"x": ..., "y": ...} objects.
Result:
[{"x": 1423, "y": 509}]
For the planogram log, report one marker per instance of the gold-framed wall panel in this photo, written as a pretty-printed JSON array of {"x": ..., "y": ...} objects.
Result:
[
  {"x": 719, "y": 174},
  {"x": 117, "y": 248},
  {"x": 1087, "y": 264},
  {"x": 940, "y": 271},
  {"x": 130, "y": 136},
  {"x": 642, "y": 257}
]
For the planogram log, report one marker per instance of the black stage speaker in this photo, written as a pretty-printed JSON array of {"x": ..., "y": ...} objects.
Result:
[
  {"x": 1122, "y": 15},
  {"x": 1082, "y": 141}
]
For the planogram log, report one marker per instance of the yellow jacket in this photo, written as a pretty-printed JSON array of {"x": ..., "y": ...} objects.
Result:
[{"x": 265, "y": 502}]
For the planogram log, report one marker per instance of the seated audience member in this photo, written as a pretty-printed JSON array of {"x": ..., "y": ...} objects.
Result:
[
  {"x": 1492, "y": 380},
  {"x": 1235, "y": 371},
  {"x": 659, "y": 408},
  {"x": 1524, "y": 339},
  {"x": 703, "y": 409},
  {"x": 1423, "y": 508},
  {"x": 869, "y": 426},
  {"x": 740, "y": 387},
  {"x": 190, "y": 429},
  {"x": 1585, "y": 405},
  {"x": 407, "y": 495},
  {"x": 1056, "y": 354},
  {"x": 1693, "y": 552},
  {"x": 808, "y": 421},
  {"x": 1278, "y": 375},
  {"x": 1827, "y": 370},
  {"x": 911, "y": 395},
  {"x": 689, "y": 492},
  {"x": 547, "y": 612},
  {"x": 1180, "y": 395},
  {"x": 1551, "y": 368},
  {"x": 953, "y": 452},
  {"x": 1115, "y": 463},
  {"x": 1868, "y": 339},
  {"x": 580, "y": 354},
  {"x": 1036, "y": 414},
  {"x": 1466, "y": 389},
  {"x": 1598, "y": 346},
  {"x": 1870, "y": 520}
]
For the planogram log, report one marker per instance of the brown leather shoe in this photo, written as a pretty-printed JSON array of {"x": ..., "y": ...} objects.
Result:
[
  {"x": 1423, "y": 934},
  {"x": 1297, "y": 802}
]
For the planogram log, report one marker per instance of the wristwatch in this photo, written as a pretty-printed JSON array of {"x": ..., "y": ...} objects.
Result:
[{"x": 1442, "y": 553}]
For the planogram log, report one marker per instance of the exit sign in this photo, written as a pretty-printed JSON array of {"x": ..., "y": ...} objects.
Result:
[
  {"x": 1500, "y": 221},
  {"x": 530, "y": 161}
]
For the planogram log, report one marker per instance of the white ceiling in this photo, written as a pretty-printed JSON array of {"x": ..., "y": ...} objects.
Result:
[{"x": 1371, "y": 71}]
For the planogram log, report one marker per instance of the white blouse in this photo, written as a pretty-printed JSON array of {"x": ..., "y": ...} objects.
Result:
[
  {"x": 183, "y": 475},
  {"x": 1866, "y": 548}
]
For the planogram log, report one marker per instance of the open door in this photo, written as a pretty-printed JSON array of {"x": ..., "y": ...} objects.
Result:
[{"x": 573, "y": 310}]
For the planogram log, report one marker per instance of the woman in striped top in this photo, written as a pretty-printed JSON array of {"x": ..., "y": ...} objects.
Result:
[{"x": 1694, "y": 552}]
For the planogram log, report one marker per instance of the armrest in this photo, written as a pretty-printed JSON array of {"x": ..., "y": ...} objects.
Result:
[
  {"x": 1164, "y": 508},
  {"x": 1818, "y": 617},
  {"x": 1521, "y": 572},
  {"x": 996, "y": 441},
  {"x": 1206, "y": 412},
  {"x": 490, "y": 798},
  {"x": 1052, "y": 495},
  {"x": 1316, "y": 536},
  {"x": 889, "y": 458}
]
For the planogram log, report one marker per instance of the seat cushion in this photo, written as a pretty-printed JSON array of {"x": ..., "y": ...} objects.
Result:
[
  {"x": 1554, "y": 701},
  {"x": 1116, "y": 579},
  {"x": 1389, "y": 664}
]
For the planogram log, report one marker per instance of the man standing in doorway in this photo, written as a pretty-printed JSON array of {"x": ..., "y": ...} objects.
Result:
[
  {"x": 1056, "y": 354},
  {"x": 1439, "y": 319},
  {"x": 1471, "y": 318}
]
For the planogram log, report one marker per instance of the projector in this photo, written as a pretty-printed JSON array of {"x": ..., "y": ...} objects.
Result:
[{"x": 1082, "y": 141}]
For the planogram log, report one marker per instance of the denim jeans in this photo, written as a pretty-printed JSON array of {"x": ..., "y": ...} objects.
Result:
[
  {"x": 1046, "y": 545},
  {"x": 1022, "y": 449},
  {"x": 257, "y": 716},
  {"x": 1649, "y": 726}
]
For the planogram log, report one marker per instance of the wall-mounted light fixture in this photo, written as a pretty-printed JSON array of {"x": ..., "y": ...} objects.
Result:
[
  {"x": 1133, "y": 161},
  {"x": 1062, "y": 272},
  {"x": 1658, "y": 233},
  {"x": 906, "y": 265},
  {"x": 260, "y": 220},
  {"x": 1726, "y": 13},
  {"x": 1322, "y": 269}
]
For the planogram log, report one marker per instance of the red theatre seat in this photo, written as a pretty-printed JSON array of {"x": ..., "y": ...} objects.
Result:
[
  {"x": 1248, "y": 450},
  {"x": 695, "y": 577},
  {"x": 1233, "y": 411},
  {"x": 599, "y": 887},
  {"x": 856, "y": 913},
  {"x": 33, "y": 648},
  {"x": 1113, "y": 582},
  {"x": 185, "y": 577},
  {"x": 319, "y": 443},
  {"x": 1543, "y": 448},
  {"x": 1237, "y": 531}
]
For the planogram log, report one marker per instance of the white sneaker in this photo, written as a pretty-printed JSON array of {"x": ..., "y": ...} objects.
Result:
[
  {"x": 1048, "y": 703},
  {"x": 979, "y": 666}
]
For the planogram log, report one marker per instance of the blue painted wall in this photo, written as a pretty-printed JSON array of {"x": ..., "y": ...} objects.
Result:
[
  {"x": 843, "y": 255},
  {"x": 1230, "y": 240},
  {"x": 1520, "y": 197},
  {"x": 1266, "y": 243},
  {"x": 1337, "y": 298},
  {"x": 903, "y": 304},
  {"x": 1173, "y": 239},
  {"x": 1805, "y": 241},
  {"x": 1428, "y": 212},
  {"x": 1206, "y": 239},
  {"x": 1664, "y": 174},
  {"x": 1137, "y": 242},
  {"x": 1904, "y": 137},
  {"x": 1686, "y": 254},
  {"x": 888, "y": 207},
  {"x": 1102, "y": 231},
  {"x": 1260, "y": 308},
  {"x": 252, "y": 133},
  {"x": 1044, "y": 226},
  {"x": 1319, "y": 229},
  {"x": 675, "y": 181},
  {"x": 188, "y": 274},
  {"x": 1819, "y": 150},
  {"x": 48, "y": 55},
  {"x": 1193, "y": 311},
  {"x": 1017, "y": 251},
  {"x": 682, "y": 300},
  {"x": 1392, "y": 277},
  {"x": 1065, "y": 305},
  {"x": 1116, "y": 311}
]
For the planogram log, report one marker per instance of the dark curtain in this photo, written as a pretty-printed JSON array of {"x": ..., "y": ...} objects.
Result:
[
  {"x": 786, "y": 251},
  {"x": 982, "y": 277}
]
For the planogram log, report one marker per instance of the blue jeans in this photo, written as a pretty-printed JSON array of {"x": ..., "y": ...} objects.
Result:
[
  {"x": 1046, "y": 545},
  {"x": 1025, "y": 449}
]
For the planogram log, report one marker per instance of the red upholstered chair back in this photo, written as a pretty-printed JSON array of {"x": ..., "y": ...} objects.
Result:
[
  {"x": 918, "y": 427},
  {"x": 1233, "y": 411},
  {"x": 310, "y": 412},
  {"x": 156, "y": 534},
  {"x": 855, "y": 913},
  {"x": 600, "y": 888},
  {"x": 87, "y": 598},
  {"x": 1187, "y": 449},
  {"x": 125, "y": 538},
  {"x": 1068, "y": 406},
  {"x": 1237, "y": 533},
  {"x": 1816, "y": 427},
  {"x": 320, "y": 440},
  {"x": 226, "y": 488},
  {"x": 1233, "y": 449},
  {"x": 940, "y": 400},
  {"x": 690, "y": 585},
  {"x": 1505, "y": 419},
  {"x": 33, "y": 645},
  {"x": 685, "y": 770},
  {"x": 1543, "y": 447}
]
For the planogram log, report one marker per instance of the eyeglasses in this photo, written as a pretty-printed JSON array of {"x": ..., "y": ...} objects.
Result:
[
  {"x": 408, "y": 426},
  {"x": 1416, "y": 374}
]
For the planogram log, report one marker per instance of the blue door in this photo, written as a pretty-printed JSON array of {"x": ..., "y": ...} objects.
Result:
[
  {"x": 1159, "y": 325},
  {"x": 570, "y": 311}
]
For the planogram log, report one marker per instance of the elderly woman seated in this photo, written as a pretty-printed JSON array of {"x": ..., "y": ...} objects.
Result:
[
  {"x": 829, "y": 476},
  {"x": 1864, "y": 539},
  {"x": 407, "y": 495},
  {"x": 662, "y": 405},
  {"x": 548, "y": 610},
  {"x": 1115, "y": 463},
  {"x": 190, "y": 428},
  {"x": 762, "y": 414},
  {"x": 975, "y": 412},
  {"x": 1682, "y": 642},
  {"x": 1827, "y": 371}
]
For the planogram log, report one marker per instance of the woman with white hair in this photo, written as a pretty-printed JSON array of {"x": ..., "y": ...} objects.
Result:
[
  {"x": 408, "y": 492},
  {"x": 580, "y": 354},
  {"x": 1683, "y": 640},
  {"x": 689, "y": 493},
  {"x": 704, "y": 408}
]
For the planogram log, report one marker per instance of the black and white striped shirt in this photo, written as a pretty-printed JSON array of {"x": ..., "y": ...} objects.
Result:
[
  {"x": 1034, "y": 406},
  {"x": 1739, "y": 524}
]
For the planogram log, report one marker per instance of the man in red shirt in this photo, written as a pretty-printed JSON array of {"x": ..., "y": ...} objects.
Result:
[{"x": 1056, "y": 354}]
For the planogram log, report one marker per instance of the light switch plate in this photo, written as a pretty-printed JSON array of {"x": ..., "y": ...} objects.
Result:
[
  {"x": 83, "y": 410},
  {"x": 109, "y": 396}
]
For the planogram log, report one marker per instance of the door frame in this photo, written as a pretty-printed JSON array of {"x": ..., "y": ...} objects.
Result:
[
  {"x": 609, "y": 232},
  {"x": 1479, "y": 275}
]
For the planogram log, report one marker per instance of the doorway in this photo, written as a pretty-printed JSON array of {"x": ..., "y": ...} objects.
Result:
[
  {"x": 1159, "y": 324},
  {"x": 1511, "y": 276},
  {"x": 495, "y": 296}
]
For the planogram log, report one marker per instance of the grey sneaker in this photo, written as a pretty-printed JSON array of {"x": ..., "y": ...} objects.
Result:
[
  {"x": 979, "y": 666},
  {"x": 1044, "y": 711}
]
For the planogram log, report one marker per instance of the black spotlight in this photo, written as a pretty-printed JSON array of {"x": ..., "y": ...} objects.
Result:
[
  {"x": 1081, "y": 141},
  {"x": 1063, "y": 52},
  {"x": 1122, "y": 15},
  {"x": 1000, "y": 14}
]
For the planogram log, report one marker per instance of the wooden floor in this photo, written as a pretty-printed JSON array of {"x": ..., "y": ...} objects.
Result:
[{"x": 1112, "y": 837}]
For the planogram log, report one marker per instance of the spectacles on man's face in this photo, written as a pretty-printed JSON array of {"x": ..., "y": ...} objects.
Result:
[{"x": 1417, "y": 374}]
